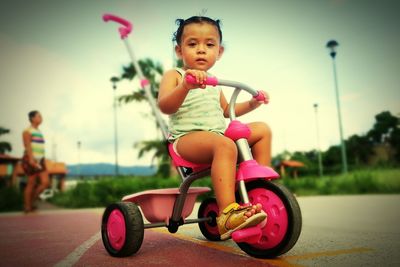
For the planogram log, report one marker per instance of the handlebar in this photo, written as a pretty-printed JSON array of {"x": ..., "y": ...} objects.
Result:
[
  {"x": 261, "y": 97},
  {"x": 125, "y": 29},
  {"x": 213, "y": 81}
]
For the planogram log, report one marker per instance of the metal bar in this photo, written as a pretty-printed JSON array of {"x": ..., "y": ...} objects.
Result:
[
  {"x": 115, "y": 134},
  {"x": 244, "y": 149},
  {"x": 147, "y": 91},
  {"x": 155, "y": 225},
  {"x": 189, "y": 221},
  {"x": 183, "y": 189},
  {"x": 232, "y": 102},
  {"x": 343, "y": 144},
  {"x": 242, "y": 86},
  {"x": 243, "y": 192}
]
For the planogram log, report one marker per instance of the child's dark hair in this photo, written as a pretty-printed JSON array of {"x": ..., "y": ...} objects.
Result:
[
  {"x": 195, "y": 19},
  {"x": 32, "y": 114}
]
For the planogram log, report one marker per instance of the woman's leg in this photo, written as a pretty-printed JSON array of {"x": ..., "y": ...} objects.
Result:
[
  {"x": 221, "y": 153},
  {"x": 28, "y": 192},
  {"x": 260, "y": 142},
  {"x": 44, "y": 183}
]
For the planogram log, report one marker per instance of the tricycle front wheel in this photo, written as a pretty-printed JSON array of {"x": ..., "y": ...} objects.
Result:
[{"x": 284, "y": 220}]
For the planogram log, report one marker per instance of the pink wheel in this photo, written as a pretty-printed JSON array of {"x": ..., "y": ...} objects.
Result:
[
  {"x": 284, "y": 221},
  {"x": 277, "y": 218},
  {"x": 209, "y": 209},
  {"x": 116, "y": 229},
  {"x": 122, "y": 229}
]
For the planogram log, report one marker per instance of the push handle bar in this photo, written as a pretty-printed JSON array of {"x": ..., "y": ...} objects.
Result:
[
  {"x": 125, "y": 29},
  {"x": 213, "y": 81}
]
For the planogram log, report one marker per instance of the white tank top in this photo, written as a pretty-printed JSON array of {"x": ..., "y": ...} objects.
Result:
[{"x": 200, "y": 111}]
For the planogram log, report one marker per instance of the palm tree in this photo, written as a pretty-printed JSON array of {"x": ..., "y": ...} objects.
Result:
[
  {"x": 152, "y": 71},
  {"x": 159, "y": 148},
  {"x": 4, "y": 146}
]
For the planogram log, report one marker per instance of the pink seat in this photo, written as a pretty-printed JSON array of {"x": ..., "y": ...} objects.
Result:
[{"x": 180, "y": 162}]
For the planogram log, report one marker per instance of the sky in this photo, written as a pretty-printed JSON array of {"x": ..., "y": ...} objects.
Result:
[{"x": 58, "y": 57}]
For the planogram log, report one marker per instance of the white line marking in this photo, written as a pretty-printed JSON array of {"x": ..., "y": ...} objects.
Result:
[{"x": 75, "y": 255}]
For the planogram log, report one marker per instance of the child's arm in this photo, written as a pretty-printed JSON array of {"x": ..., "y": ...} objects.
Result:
[
  {"x": 241, "y": 108},
  {"x": 173, "y": 89}
]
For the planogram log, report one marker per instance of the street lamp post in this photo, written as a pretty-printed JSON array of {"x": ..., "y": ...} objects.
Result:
[
  {"x": 114, "y": 81},
  {"x": 79, "y": 158},
  {"x": 332, "y": 44},
  {"x": 320, "y": 166}
]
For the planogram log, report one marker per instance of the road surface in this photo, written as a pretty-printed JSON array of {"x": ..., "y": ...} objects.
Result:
[{"x": 337, "y": 231}]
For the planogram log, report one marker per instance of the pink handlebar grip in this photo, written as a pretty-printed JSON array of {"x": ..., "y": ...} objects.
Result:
[
  {"x": 123, "y": 31},
  {"x": 213, "y": 81},
  {"x": 261, "y": 97}
]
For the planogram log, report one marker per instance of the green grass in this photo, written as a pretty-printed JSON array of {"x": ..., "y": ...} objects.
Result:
[
  {"x": 100, "y": 193},
  {"x": 366, "y": 181}
]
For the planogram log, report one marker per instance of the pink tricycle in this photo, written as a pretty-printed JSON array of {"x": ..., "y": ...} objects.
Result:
[{"x": 122, "y": 225}]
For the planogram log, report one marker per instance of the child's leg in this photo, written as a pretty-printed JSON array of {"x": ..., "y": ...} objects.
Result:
[
  {"x": 260, "y": 142},
  {"x": 221, "y": 152}
]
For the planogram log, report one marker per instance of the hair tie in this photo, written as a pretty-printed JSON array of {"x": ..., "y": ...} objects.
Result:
[{"x": 179, "y": 22}]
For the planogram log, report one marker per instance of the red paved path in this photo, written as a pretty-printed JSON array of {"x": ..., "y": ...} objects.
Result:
[{"x": 61, "y": 237}]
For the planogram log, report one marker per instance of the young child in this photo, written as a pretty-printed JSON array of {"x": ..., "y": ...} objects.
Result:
[{"x": 197, "y": 120}]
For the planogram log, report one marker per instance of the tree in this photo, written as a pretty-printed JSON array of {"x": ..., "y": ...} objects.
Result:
[
  {"x": 359, "y": 148},
  {"x": 152, "y": 71},
  {"x": 394, "y": 141},
  {"x": 4, "y": 146},
  {"x": 387, "y": 130},
  {"x": 161, "y": 155},
  {"x": 385, "y": 124},
  {"x": 332, "y": 159}
]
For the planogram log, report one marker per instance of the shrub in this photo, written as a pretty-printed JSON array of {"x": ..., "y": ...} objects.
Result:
[
  {"x": 10, "y": 199},
  {"x": 108, "y": 190}
]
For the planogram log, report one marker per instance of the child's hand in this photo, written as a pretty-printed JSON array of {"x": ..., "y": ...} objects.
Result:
[
  {"x": 35, "y": 164},
  {"x": 254, "y": 103},
  {"x": 200, "y": 76}
]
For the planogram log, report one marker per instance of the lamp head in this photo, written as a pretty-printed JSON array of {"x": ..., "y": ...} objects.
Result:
[
  {"x": 331, "y": 45},
  {"x": 114, "y": 81}
]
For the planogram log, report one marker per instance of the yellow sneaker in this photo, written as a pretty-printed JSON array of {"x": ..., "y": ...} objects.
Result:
[{"x": 233, "y": 218}]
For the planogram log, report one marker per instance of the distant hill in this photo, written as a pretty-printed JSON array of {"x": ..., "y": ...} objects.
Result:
[{"x": 103, "y": 169}]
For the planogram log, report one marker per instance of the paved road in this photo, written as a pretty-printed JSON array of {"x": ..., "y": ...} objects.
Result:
[{"x": 337, "y": 231}]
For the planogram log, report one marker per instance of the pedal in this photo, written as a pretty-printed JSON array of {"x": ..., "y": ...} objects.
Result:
[{"x": 249, "y": 235}]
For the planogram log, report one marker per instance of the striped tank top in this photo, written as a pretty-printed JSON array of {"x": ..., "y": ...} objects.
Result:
[
  {"x": 37, "y": 143},
  {"x": 200, "y": 111}
]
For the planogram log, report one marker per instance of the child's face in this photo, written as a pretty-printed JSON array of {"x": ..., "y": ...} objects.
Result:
[{"x": 200, "y": 47}]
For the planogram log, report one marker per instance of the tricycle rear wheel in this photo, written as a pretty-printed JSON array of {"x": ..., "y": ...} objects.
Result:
[
  {"x": 122, "y": 229},
  {"x": 209, "y": 209}
]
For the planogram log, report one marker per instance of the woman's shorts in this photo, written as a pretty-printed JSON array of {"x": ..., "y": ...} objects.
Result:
[{"x": 32, "y": 170}]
